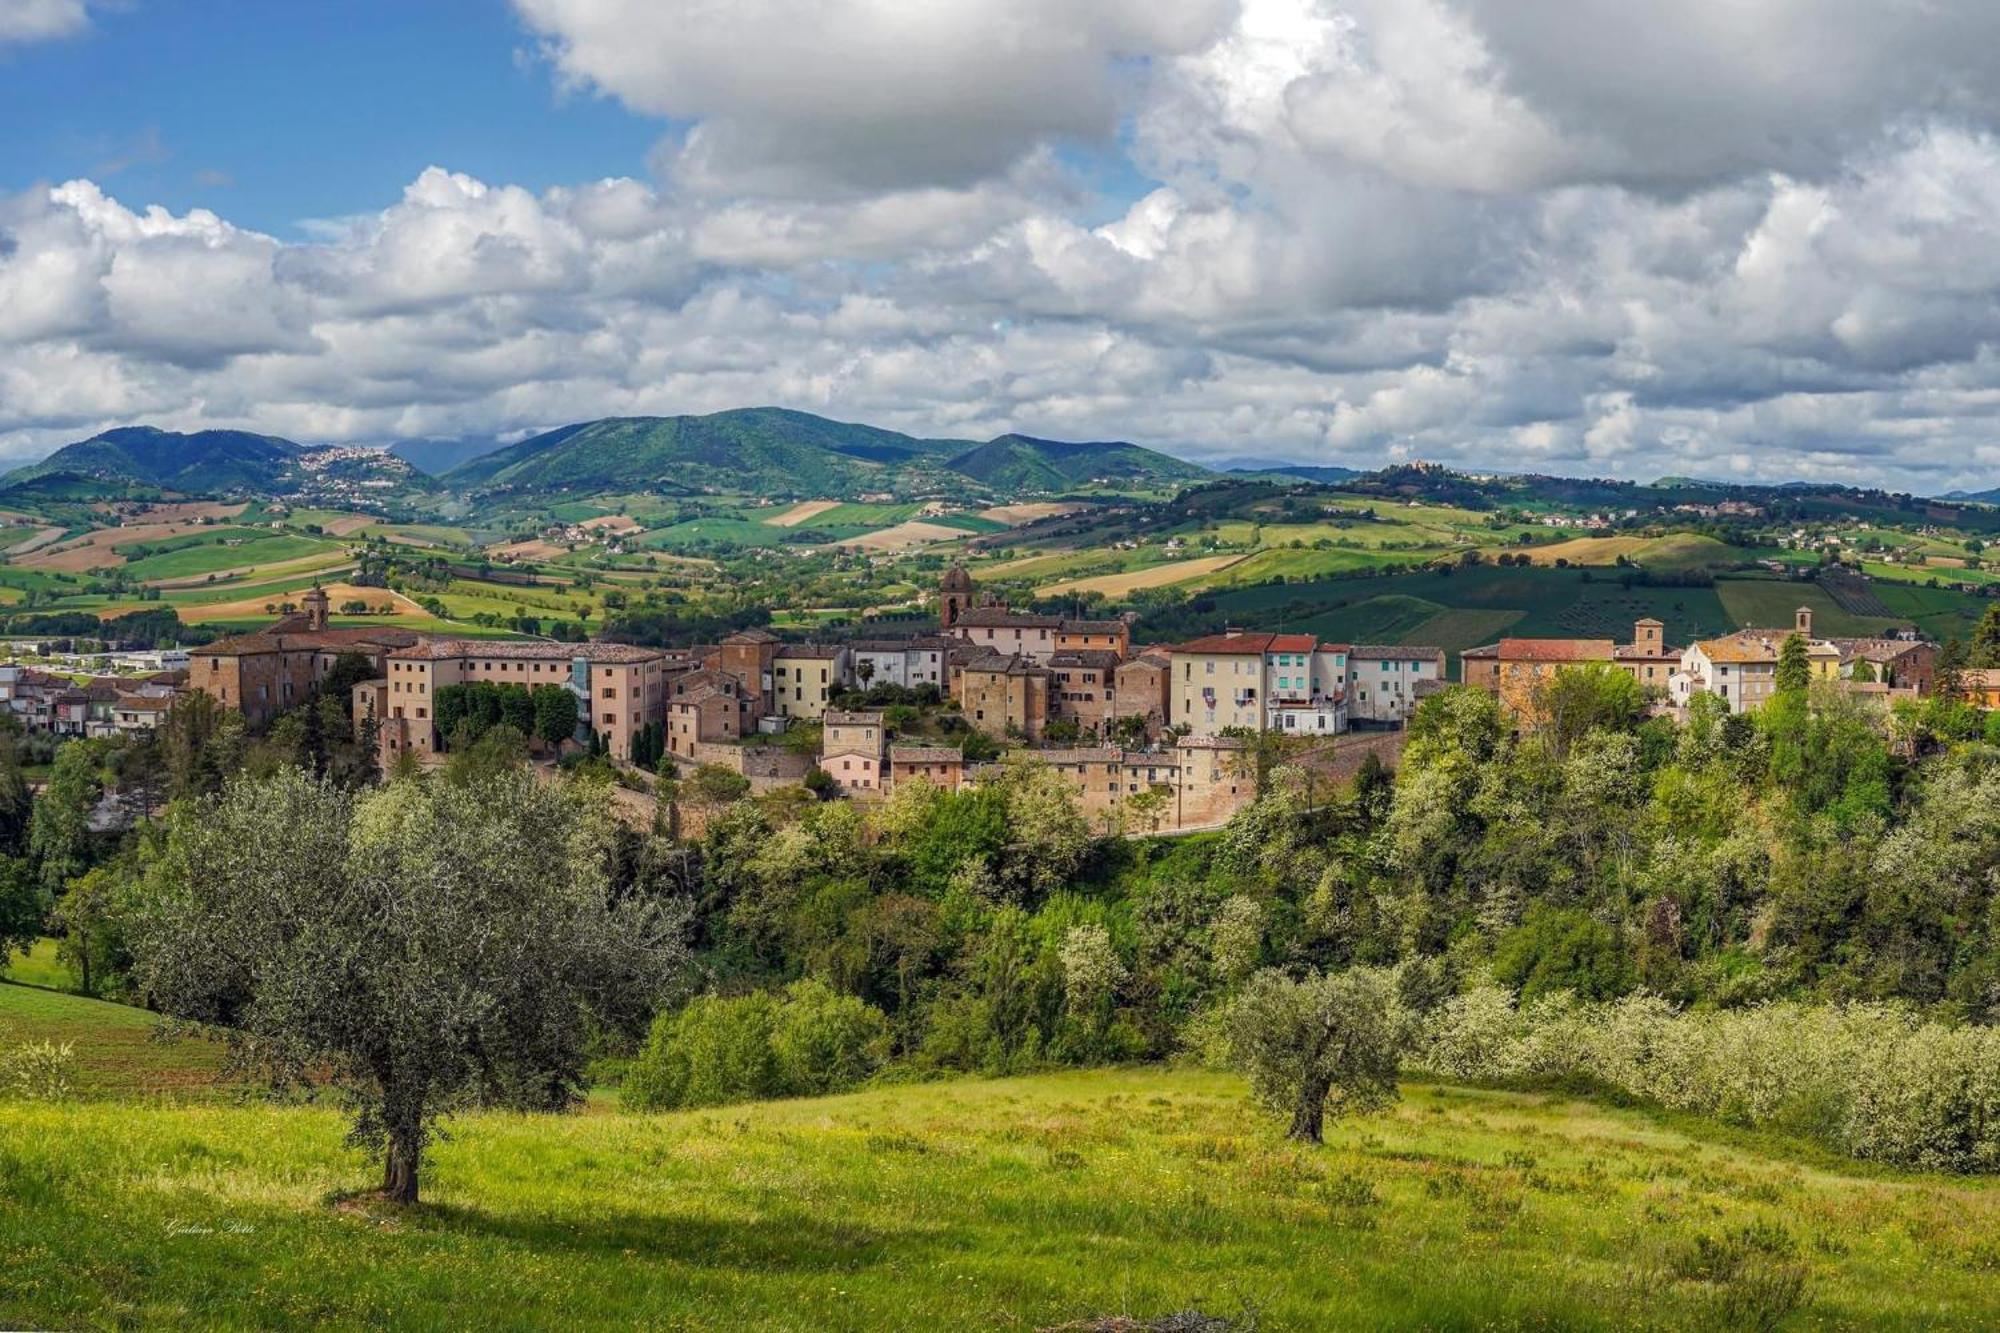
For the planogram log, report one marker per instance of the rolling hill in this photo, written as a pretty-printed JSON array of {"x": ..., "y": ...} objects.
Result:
[
  {"x": 206, "y": 461},
  {"x": 778, "y": 452},
  {"x": 1023, "y": 463}
]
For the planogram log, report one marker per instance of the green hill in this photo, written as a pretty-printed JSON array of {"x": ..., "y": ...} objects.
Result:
[
  {"x": 777, "y": 452},
  {"x": 1016, "y": 463},
  {"x": 764, "y": 450},
  {"x": 207, "y": 461}
]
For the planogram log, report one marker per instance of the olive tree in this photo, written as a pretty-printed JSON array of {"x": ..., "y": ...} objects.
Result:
[
  {"x": 421, "y": 947},
  {"x": 1322, "y": 1041}
]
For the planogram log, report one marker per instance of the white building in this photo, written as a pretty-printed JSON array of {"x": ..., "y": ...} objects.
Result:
[{"x": 1382, "y": 680}]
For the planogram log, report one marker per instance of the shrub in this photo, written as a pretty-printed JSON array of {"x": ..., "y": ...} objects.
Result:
[
  {"x": 39, "y": 1071},
  {"x": 1875, "y": 1081},
  {"x": 808, "y": 1041}
]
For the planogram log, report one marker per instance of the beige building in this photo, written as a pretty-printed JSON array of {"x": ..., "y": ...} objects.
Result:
[
  {"x": 1140, "y": 689},
  {"x": 1082, "y": 683},
  {"x": 805, "y": 678},
  {"x": 1005, "y": 694},
  {"x": 275, "y": 669},
  {"x": 619, "y": 688},
  {"x": 853, "y": 747},
  {"x": 1742, "y": 668}
]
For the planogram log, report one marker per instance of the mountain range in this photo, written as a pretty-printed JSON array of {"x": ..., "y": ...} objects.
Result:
[
  {"x": 759, "y": 451},
  {"x": 771, "y": 450}
]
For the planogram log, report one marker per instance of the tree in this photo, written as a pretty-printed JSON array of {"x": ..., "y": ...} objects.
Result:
[
  {"x": 555, "y": 714},
  {"x": 422, "y": 947},
  {"x": 92, "y": 945},
  {"x": 1595, "y": 696},
  {"x": 1984, "y": 650},
  {"x": 1863, "y": 672},
  {"x": 59, "y": 832},
  {"x": 1947, "y": 675},
  {"x": 22, "y": 906},
  {"x": 1794, "y": 673},
  {"x": 1327, "y": 1040},
  {"x": 17, "y": 804}
]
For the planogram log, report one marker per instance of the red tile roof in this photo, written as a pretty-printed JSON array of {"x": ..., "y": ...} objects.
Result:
[{"x": 1557, "y": 650}]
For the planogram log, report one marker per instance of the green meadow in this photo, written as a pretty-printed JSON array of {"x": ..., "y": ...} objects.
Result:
[{"x": 157, "y": 1197}]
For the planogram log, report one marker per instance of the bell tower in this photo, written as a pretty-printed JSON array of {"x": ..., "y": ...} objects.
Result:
[
  {"x": 954, "y": 596},
  {"x": 316, "y": 602}
]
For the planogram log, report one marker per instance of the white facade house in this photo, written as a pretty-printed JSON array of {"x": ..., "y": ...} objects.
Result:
[{"x": 1383, "y": 679}]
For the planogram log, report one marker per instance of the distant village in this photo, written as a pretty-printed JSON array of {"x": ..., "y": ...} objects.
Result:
[{"x": 1120, "y": 720}]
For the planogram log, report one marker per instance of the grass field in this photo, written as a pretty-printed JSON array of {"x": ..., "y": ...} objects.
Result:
[
  {"x": 117, "y": 1054},
  {"x": 151, "y": 1200},
  {"x": 1021, "y": 1203}
]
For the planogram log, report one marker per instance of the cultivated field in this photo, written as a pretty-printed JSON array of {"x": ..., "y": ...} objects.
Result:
[
  {"x": 800, "y": 512},
  {"x": 1154, "y": 576},
  {"x": 1015, "y": 515},
  {"x": 903, "y": 536}
]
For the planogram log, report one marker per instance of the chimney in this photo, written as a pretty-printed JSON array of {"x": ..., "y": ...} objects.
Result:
[{"x": 1802, "y": 622}]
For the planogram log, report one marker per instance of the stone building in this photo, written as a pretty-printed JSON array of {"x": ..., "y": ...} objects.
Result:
[{"x": 269, "y": 671}]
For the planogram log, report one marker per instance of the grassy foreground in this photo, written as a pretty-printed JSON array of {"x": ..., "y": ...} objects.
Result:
[{"x": 1017, "y": 1203}]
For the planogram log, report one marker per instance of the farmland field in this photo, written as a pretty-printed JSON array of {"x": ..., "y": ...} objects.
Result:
[
  {"x": 1027, "y": 1202},
  {"x": 1153, "y": 576}
]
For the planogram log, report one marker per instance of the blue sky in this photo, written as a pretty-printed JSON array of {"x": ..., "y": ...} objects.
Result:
[
  {"x": 305, "y": 108},
  {"x": 1492, "y": 233}
]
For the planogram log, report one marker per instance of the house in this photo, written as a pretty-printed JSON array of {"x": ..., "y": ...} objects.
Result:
[
  {"x": 909, "y": 663},
  {"x": 1218, "y": 682},
  {"x": 269, "y": 671},
  {"x": 620, "y": 689},
  {"x": 1980, "y": 686},
  {"x": 705, "y": 707},
  {"x": 942, "y": 766},
  {"x": 804, "y": 679},
  {"x": 1517, "y": 669},
  {"x": 1084, "y": 636},
  {"x": 1005, "y": 694},
  {"x": 852, "y": 748},
  {"x": 1082, "y": 683},
  {"x": 1383, "y": 680},
  {"x": 1008, "y": 633},
  {"x": 1140, "y": 688},
  {"x": 1742, "y": 668}
]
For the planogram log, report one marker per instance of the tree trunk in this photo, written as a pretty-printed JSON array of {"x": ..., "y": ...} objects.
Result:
[
  {"x": 399, "y": 1174},
  {"x": 1310, "y": 1114}
]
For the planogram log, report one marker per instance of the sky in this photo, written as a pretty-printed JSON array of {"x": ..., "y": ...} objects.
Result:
[{"x": 1739, "y": 239}]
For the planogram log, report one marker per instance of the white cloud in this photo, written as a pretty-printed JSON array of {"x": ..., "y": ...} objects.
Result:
[
  {"x": 864, "y": 94},
  {"x": 41, "y": 20}
]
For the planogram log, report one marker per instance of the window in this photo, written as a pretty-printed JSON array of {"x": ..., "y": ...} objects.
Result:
[{"x": 608, "y": 693}]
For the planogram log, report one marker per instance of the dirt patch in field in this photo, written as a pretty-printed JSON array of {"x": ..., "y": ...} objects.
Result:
[
  {"x": 903, "y": 536},
  {"x": 348, "y": 524},
  {"x": 249, "y": 608},
  {"x": 613, "y": 523},
  {"x": 1016, "y": 515},
  {"x": 1159, "y": 576},
  {"x": 535, "y": 550},
  {"x": 42, "y": 537},
  {"x": 800, "y": 512}
]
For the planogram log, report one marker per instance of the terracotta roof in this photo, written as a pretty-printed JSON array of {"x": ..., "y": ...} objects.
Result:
[
  {"x": 1556, "y": 650},
  {"x": 1095, "y": 627},
  {"x": 1392, "y": 652},
  {"x": 817, "y": 652},
  {"x": 518, "y": 650},
  {"x": 1481, "y": 653},
  {"x": 1293, "y": 643},
  {"x": 1152, "y": 660},
  {"x": 1739, "y": 650},
  {"x": 324, "y": 640},
  {"x": 758, "y": 636},
  {"x": 1979, "y": 678},
  {"x": 1232, "y": 645}
]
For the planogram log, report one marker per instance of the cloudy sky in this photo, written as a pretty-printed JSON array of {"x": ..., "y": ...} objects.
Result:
[{"x": 1730, "y": 238}]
